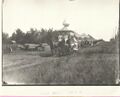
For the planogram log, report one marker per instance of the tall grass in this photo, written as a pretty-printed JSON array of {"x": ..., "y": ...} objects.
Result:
[{"x": 91, "y": 66}]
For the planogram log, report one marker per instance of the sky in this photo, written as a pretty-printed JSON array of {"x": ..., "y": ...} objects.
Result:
[{"x": 98, "y": 18}]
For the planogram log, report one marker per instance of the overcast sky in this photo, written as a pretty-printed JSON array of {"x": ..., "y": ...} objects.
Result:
[{"x": 98, "y": 18}]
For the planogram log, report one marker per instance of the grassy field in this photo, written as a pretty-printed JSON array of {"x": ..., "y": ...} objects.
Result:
[{"x": 90, "y": 66}]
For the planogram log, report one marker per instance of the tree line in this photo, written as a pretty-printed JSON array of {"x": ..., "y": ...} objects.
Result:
[
  {"x": 31, "y": 36},
  {"x": 36, "y": 36}
]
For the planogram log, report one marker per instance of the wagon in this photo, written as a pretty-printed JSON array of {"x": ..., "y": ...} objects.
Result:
[{"x": 30, "y": 46}]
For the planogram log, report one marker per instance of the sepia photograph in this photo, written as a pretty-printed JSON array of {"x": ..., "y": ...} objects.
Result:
[{"x": 60, "y": 43}]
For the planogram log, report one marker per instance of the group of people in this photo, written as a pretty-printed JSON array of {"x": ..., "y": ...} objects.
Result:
[{"x": 66, "y": 44}]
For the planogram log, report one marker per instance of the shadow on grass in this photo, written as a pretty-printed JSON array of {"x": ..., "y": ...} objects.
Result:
[{"x": 43, "y": 54}]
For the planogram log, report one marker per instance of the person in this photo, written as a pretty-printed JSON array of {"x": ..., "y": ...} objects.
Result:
[
  {"x": 61, "y": 41},
  {"x": 74, "y": 44},
  {"x": 50, "y": 42},
  {"x": 61, "y": 45},
  {"x": 10, "y": 49},
  {"x": 68, "y": 42},
  {"x": 60, "y": 37}
]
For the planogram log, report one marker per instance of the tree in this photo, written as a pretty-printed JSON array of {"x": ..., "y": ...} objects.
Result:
[
  {"x": 43, "y": 34},
  {"x": 19, "y": 36},
  {"x": 32, "y": 36},
  {"x": 5, "y": 38}
]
